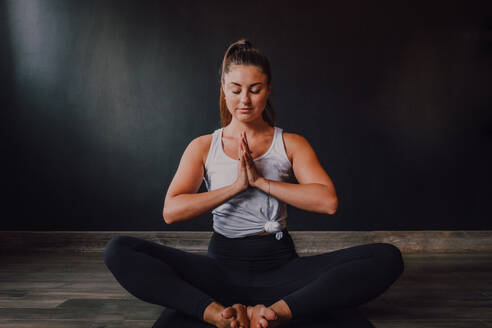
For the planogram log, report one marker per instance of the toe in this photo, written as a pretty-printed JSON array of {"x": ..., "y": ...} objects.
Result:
[
  {"x": 269, "y": 314},
  {"x": 228, "y": 312},
  {"x": 242, "y": 315},
  {"x": 249, "y": 310}
]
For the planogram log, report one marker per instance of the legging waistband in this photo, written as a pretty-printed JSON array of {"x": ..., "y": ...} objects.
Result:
[{"x": 252, "y": 253}]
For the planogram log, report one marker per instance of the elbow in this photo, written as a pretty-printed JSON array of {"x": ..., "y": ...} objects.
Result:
[
  {"x": 332, "y": 207},
  {"x": 167, "y": 217},
  {"x": 169, "y": 211},
  {"x": 331, "y": 211}
]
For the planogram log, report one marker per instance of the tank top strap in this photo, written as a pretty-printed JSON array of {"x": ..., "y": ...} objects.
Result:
[
  {"x": 278, "y": 134},
  {"x": 279, "y": 146},
  {"x": 213, "y": 150}
]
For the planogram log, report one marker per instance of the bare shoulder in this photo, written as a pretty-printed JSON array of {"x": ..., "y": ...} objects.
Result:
[
  {"x": 305, "y": 163},
  {"x": 201, "y": 145},
  {"x": 189, "y": 175},
  {"x": 293, "y": 142}
]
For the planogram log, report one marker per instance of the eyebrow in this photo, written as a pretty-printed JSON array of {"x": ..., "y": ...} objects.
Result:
[{"x": 251, "y": 84}]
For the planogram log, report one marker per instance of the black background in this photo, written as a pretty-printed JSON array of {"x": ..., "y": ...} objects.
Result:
[{"x": 100, "y": 98}]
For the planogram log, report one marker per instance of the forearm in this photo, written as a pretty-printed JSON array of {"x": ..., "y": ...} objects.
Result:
[
  {"x": 188, "y": 206},
  {"x": 314, "y": 197}
]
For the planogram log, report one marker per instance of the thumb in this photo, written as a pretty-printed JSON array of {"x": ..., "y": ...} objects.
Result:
[{"x": 241, "y": 160}]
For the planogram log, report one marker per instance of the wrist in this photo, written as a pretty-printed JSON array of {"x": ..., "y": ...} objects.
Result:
[
  {"x": 262, "y": 184},
  {"x": 237, "y": 188}
]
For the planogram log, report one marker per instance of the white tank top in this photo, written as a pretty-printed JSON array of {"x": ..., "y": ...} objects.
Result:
[{"x": 251, "y": 211}]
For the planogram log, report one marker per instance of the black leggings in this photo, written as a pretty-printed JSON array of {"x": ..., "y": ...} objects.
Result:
[{"x": 253, "y": 270}]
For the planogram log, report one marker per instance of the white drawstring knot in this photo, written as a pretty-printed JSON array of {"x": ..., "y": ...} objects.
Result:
[{"x": 274, "y": 226}]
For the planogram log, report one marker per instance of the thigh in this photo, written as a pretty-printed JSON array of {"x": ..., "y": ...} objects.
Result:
[
  {"x": 300, "y": 271},
  {"x": 199, "y": 270}
]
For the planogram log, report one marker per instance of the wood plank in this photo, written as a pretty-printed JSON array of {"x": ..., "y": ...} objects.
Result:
[
  {"x": 75, "y": 289},
  {"x": 197, "y": 241}
]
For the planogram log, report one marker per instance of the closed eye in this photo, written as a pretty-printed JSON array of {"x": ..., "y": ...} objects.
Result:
[{"x": 238, "y": 92}]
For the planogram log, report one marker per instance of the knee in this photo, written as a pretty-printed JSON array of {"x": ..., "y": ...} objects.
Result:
[
  {"x": 114, "y": 250},
  {"x": 391, "y": 258}
]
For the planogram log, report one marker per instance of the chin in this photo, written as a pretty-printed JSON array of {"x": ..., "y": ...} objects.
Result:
[{"x": 247, "y": 118}]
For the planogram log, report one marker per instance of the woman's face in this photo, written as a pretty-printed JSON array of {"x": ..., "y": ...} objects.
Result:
[{"x": 246, "y": 92}]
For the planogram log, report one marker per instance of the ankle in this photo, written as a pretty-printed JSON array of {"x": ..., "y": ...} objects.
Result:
[{"x": 282, "y": 310}]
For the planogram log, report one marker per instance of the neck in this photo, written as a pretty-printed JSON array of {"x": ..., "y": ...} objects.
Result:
[{"x": 252, "y": 129}]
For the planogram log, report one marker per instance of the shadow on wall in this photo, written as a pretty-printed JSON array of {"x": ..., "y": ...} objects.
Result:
[{"x": 84, "y": 147}]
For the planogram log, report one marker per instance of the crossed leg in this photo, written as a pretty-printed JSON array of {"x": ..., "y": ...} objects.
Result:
[
  {"x": 344, "y": 278},
  {"x": 164, "y": 275},
  {"x": 331, "y": 283}
]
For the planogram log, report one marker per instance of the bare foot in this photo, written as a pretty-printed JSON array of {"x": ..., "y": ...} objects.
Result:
[
  {"x": 234, "y": 316},
  {"x": 261, "y": 316},
  {"x": 239, "y": 315},
  {"x": 264, "y": 315}
]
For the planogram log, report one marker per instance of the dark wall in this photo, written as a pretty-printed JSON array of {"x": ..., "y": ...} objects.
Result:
[{"x": 100, "y": 98}]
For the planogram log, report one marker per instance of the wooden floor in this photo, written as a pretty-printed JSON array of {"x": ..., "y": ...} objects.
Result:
[{"x": 76, "y": 290}]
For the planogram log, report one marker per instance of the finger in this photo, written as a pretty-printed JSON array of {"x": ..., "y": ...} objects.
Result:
[
  {"x": 250, "y": 159},
  {"x": 242, "y": 316},
  {"x": 241, "y": 150},
  {"x": 269, "y": 314},
  {"x": 263, "y": 323},
  {"x": 246, "y": 162},
  {"x": 246, "y": 145},
  {"x": 244, "y": 141},
  {"x": 240, "y": 322},
  {"x": 242, "y": 147},
  {"x": 249, "y": 311},
  {"x": 245, "y": 150}
]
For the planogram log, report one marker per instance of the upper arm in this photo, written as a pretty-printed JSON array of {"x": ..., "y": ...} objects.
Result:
[
  {"x": 305, "y": 163},
  {"x": 189, "y": 175}
]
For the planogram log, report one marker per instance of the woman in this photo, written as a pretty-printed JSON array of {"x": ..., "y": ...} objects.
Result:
[{"x": 251, "y": 275}]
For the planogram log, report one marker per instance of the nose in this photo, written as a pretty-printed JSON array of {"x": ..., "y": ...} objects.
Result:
[{"x": 245, "y": 98}]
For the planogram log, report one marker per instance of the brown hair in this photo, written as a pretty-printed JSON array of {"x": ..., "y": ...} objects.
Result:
[{"x": 242, "y": 53}]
